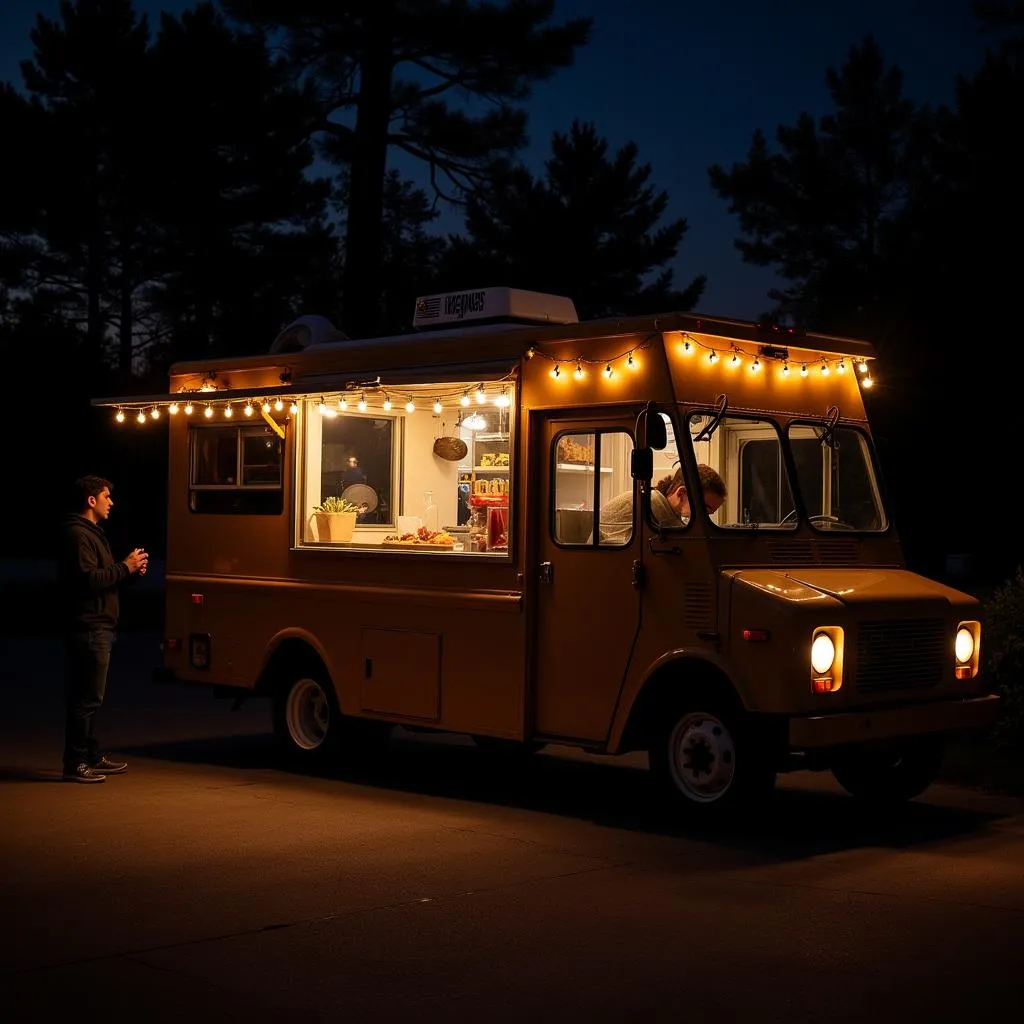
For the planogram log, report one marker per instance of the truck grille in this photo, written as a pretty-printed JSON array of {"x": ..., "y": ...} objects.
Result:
[{"x": 900, "y": 655}]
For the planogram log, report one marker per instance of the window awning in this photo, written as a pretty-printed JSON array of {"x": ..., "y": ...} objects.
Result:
[{"x": 492, "y": 372}]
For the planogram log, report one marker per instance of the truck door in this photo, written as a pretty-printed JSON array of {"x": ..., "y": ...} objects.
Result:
[{"x": 587, "y": 608}]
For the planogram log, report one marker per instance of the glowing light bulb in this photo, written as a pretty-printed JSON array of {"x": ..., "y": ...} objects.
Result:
[
  {"x": 294, "y": 409},
  {"x": 173, "y": 408},
  {"x": 228, "y": 412},
  {"x": 687, "y": 347},
  {"x": 712, "y": 356},
  {"x": 866, "y": 381},
  {"x": 208, "y": 411},
  {"x": 141, "y": 418},
  {"x": 608, "y": 371},
  {"x": 785, "y": 369},
  {"x": 862, "y": 367},
  {"x": 387, "y": 403},
  {"x": 841, "y": 368},
  {"x": 481, "y": 395},
  {"x": 410, "y": 406},
  {"x": 278, "y": 405},
  {"x": 437, "y": 408},
  {"x": 321, "y": 407},
  {"x": 343, "y": 403},
  {"x": 362, "y": 403},
  {"x": 556, "y": 372},
  {"x": 803, "y": 369},
  {"x": 755, "y": 365},
  {"x": 531, "y": 352},
  {"x": 824, "y": 368},
  {"x": 155, "y": 413},
  {"x": 266, "y": 406},
  {"x": 120, "y": 416},
  {"x": 248, "y": 409},
  {"x": 188, "y": 408},
  {"x": 735, "y": 361},
  {"x": 578, "y": 372},
  {"x": 464, "y": 400},
  {"x": 502, "y": 400},
  {"x": 630, "y": 362}
]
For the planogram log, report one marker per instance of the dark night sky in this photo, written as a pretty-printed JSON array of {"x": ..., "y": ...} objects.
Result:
[{"x": 689, "y": 83}]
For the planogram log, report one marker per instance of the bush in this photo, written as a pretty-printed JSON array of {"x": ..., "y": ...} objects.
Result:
[{"x": 1003, "y": 639}]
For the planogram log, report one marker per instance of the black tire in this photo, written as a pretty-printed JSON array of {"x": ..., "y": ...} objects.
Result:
[
  {"x": 709, "y": 761},
  {"x": 307, "y": 722},
  {"x": 890, "y": 773}
]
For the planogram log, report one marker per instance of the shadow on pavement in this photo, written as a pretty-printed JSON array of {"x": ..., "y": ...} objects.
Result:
[{"x": 796, "y": 823}]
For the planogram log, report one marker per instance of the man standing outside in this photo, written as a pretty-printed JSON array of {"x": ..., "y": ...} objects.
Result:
[{"x": 90, "y": 579}]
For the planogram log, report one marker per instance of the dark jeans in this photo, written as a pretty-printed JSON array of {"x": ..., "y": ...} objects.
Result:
[{"x": 88, "y": 661}]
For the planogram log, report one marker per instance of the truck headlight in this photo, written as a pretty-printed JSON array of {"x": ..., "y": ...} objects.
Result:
[
  {"x": 966, "y": 647},
  {"x": 823, "y": 653},
  {"x": 827, "y": 659}
]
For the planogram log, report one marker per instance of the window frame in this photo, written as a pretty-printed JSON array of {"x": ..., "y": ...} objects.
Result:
[{"x": 239, "y": 487}]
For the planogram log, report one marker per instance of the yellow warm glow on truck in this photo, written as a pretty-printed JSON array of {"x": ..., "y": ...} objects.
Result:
[{"x": 417, "y": 530}]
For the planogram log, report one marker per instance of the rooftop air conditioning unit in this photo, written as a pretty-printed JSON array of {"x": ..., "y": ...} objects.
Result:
[{"x": 492, "y": 305}]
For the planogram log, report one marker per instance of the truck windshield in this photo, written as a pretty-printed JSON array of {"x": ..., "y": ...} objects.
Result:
[{"x": 834, "y": 476}]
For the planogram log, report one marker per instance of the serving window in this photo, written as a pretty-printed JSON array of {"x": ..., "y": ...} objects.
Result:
[{"x": 423, "y": 468}]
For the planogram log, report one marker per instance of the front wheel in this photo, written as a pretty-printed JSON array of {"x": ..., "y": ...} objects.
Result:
[
  {"x": 708, "y": 760},
  {"x": 890, "y": 773}
]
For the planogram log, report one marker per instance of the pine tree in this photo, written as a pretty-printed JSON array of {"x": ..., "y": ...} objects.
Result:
[
  {"x": 589, "y": 229},
  {"x": 825, "y": 208},
  {"x": 405, "y": 75}
]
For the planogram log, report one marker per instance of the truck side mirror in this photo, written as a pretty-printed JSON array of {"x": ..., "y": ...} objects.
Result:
[
  {"x": 650, "y": 429},
  {"x": 641, "y": 464},
  {"x": 650, "y": 435}
]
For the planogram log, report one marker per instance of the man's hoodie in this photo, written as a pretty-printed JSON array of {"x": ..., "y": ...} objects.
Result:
[{"x": 89, "y": 576}]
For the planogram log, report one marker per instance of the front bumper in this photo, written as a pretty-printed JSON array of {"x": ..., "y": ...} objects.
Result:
[{"x": 889, "y": 723}]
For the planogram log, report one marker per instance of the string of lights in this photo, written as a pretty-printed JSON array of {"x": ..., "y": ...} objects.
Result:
[
  {"x": 730, "y": 355},
  {"x": 207, "y": 403}
]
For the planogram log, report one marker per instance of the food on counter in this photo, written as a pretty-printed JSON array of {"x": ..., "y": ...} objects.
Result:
[
  {"x": 494, "y": 459},
  {"x": 435, "y": 538}
]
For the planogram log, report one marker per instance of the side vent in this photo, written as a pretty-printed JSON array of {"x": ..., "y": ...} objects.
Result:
[
  {"x": 798, "y": 551},
  {"x": 838, "y": 552},
  {"x": 697, "y": 606}
]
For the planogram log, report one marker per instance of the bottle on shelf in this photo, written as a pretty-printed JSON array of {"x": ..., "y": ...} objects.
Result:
[{"x": 429, "y": 512}]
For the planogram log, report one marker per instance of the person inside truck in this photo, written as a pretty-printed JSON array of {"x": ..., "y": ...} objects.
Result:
[{"x": 670, "y": 504}]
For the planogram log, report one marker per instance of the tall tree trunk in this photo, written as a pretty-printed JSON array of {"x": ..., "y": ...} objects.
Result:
[
  {"x": 125, "y": 332},
  {"x": 363, "y": 240},
  {"x": 94, "y": 286}
]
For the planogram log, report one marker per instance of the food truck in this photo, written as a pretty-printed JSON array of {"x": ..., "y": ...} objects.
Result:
[{"x": 410, "y": 531}]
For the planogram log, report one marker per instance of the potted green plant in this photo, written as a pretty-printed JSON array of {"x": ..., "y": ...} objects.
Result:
[{"x": 335, "y": 519}]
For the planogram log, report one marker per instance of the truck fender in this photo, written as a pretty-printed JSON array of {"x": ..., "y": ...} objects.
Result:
[{"x": 669, "y": 670}]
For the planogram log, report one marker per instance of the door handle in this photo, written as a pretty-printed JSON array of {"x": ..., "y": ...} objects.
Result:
[{"x": 547, "y": 572}]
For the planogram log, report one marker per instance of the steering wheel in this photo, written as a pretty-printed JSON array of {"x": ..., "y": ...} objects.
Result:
[{"x": 835, "y": 523}]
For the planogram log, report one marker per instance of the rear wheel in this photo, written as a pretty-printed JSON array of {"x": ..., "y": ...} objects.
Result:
[
  {"x": 708, "y": 760},
  {"x": 312, "y": 730},
  {"x": 890, "y": 773},
  {"x": 306, "y": 717}
]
